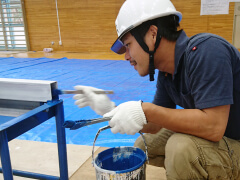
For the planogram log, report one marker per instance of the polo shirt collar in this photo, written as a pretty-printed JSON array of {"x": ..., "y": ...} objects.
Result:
[{"x": 180, "y": 47}]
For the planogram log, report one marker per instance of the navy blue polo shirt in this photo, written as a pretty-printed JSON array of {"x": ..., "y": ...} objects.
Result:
[{"x": 207, "y": 74}]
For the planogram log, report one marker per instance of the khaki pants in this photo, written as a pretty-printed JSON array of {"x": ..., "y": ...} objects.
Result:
[{"x": 187, "y": 157}]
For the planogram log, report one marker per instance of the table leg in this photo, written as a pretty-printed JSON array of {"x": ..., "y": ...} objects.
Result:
[
  {"x": 5, "y": 156},
  {"x": 61, "y": 142}
]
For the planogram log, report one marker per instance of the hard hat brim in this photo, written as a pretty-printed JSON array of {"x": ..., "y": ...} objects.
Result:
[{"x": 118, "y": 47}]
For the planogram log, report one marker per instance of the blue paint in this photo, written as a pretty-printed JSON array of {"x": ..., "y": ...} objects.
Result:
[
  {"x": 69, "y": 124},
  {"x": 73, "y": 125},
  {"x": 57, "y": 92},
  {"x": 128, "y": 159},
  {"x": 76, "y": 124}
]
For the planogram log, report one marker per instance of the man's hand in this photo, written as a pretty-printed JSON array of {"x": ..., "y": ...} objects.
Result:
[
  {"x": 100, "y": 103},
  {"x": 127, "y": 118}
]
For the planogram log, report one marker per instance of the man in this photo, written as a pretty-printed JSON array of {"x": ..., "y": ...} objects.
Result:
[{"x": 200, "y": 74}]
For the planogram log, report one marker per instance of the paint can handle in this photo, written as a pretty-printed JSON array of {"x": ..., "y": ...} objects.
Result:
[{"x": 108, "y": 127}]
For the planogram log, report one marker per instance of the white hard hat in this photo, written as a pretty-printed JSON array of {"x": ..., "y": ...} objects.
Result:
[{"x": 135, "y": 12}]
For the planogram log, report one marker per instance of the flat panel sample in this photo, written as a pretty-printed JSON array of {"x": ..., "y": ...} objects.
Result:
[{"x": 26, "y": 90}]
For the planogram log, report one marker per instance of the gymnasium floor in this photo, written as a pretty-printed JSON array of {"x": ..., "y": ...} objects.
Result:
[{"x": 70, "y": 69}]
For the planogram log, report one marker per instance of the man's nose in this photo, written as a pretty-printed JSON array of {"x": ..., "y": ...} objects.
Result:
[{"x": 127, "y": 55}]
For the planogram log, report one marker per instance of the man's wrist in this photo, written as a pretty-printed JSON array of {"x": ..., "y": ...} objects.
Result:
[{"x": 145, "y": 108}]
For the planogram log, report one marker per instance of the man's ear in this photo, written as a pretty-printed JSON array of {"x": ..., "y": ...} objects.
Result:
[
  {"x": 153, "y": 30},
  {"x": 151, "y": 36}
]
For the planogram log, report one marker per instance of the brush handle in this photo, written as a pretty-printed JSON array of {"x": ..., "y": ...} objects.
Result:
[
  {"x": 81, "y": 92},
  {"x": 91, "y": 121},
  {"x": 81, "y": 123}
]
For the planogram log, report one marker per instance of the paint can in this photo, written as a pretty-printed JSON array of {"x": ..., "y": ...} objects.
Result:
[{"x": 120, "y": 163}]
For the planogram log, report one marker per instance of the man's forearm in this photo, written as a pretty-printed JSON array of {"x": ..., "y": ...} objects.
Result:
[
  {"x": 209, "y": 123},
  {"x": 151, "y": 128}
]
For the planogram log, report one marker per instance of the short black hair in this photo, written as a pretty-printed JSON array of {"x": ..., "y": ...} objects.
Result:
[{"x": 167, "y": 27}]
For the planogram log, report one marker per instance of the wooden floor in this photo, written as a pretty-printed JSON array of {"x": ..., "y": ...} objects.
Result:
[
  {"x": 61, "y": 54},
  {"x": 80, "y": 167},
  {"x": 87, "y": 172}
]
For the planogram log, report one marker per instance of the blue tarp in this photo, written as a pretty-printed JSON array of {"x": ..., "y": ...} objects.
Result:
[{"x": 114, "y": 75}]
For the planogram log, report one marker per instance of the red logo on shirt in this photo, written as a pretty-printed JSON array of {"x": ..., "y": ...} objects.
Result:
[{"x": 194, "y": 48}]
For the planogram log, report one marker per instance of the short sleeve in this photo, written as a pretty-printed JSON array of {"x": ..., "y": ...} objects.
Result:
[{"x": 210, "y": 75}]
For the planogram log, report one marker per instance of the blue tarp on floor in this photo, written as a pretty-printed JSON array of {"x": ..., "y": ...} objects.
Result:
[{"x": 114, "y": 75}]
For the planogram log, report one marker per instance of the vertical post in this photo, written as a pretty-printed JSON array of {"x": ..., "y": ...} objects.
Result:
[
  {"x": 3, "y": 26},
  {"x": 5, "y": 156},
  {"x": 25, "y": 25},
  {"x": 236, "y": 26},
  {"x": 61, "y": 142}
]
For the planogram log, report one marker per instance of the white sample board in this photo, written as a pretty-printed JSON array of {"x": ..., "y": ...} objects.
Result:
[{"x": 26, "y": 90}]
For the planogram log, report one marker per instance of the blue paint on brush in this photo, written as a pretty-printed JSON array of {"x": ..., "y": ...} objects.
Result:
[
  {"x": 76, "y": 124},
  {"x": 81, "y": 123},
  {"x": 57, "y": 92}
]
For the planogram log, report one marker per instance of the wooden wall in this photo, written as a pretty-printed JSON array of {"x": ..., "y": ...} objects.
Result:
[
  {"x": 88, "y": 26},
  {"x": 193, "y": 23}
]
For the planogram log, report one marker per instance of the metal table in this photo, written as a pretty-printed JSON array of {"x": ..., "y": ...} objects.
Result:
[{"x": 25, "y": 104}]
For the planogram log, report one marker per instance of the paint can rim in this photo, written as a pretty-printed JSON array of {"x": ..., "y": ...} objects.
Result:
[{"x": 139, "y": 151}]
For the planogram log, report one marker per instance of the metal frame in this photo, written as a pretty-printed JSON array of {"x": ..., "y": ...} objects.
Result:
[
  {"x": 17, "y": 126},
  {"x": 25, "y": 104}
]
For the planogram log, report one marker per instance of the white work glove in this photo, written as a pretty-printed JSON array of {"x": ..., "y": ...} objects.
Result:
[
  {"x": 127, "y": 118},
  {"x": 100, "y": 103}
]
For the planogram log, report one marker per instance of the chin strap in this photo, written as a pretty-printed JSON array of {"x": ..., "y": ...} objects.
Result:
[{"x": 146, "y": 49}]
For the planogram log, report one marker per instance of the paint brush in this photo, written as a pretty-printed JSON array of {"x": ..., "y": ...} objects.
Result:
[
  {"x": 81, "y": 123},
  {"x": 59, "y": 91}
]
